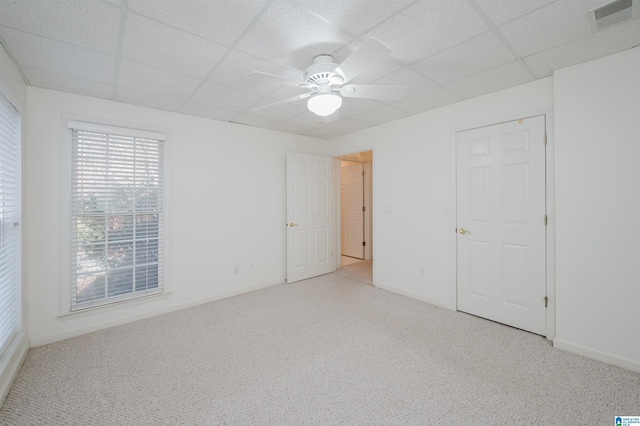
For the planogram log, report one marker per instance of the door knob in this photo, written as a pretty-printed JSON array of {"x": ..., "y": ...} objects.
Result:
[
  {"x": 293, "y": 224},
  {"x": 464, "y": 231}
]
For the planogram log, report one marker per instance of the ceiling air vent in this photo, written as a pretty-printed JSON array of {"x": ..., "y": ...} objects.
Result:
[{"x": 613, "y": 13}]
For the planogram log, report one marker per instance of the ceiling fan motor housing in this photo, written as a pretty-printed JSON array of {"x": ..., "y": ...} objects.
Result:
[{"x": 321, "y": 71}]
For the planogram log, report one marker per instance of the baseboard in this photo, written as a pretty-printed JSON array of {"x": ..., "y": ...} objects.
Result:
[
  {"x": 605, "y": 357},
  {"x": 416, "y": 296},
  {"x": 10, "y": 367},
  {"x": 50, "y": 338}
]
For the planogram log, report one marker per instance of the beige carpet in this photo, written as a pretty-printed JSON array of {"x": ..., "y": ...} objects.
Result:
[
  {"x": 326, "y": 351},
  {"x": 360, "y": 270}
]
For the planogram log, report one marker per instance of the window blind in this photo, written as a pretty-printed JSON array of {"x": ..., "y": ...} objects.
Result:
[
  {"x": 116, "y": 215},
  {"x": 10, "y": 216}
]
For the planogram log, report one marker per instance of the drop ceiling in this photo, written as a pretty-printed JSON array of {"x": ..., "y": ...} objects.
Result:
[{"x": 189, "y": 56}]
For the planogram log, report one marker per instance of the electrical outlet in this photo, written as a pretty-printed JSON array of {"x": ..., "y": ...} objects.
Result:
[
  {"x": 236, "y": 270},
  {"x": 421, "y": 273}
]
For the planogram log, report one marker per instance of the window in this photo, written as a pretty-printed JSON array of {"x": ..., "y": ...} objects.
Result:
[
  {"x": 10, "y": 235},
  {"x": 116, "y": 229}
]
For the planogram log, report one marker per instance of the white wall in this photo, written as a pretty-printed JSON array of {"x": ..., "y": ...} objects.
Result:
[
  {"x": 227, "y": 208},
  {"x": 15, "y": 89},
  {"x": 597, "y": 106},
  {"x": 411, "y": 185}
]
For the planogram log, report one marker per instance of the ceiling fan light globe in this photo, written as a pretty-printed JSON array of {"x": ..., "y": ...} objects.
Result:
[{"x": 324, "y": 104}]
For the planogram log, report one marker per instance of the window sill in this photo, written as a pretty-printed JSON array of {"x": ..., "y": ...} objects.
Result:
[{"x": 115, "y": 305}]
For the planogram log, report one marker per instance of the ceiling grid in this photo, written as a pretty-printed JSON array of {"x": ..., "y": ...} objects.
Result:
[{"x": 190, "y": 56}]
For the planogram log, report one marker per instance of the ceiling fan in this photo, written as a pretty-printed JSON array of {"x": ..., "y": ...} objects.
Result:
[{"x": 327, "y": 82}]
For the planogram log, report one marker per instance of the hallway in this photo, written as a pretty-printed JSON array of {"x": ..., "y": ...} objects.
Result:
[{"x": 357, "y": 270}]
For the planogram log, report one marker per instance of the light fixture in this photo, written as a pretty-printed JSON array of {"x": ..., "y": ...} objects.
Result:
[{"x": 324, "y": 104}]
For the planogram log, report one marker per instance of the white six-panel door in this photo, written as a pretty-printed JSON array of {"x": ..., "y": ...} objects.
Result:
[
  {"x": 309, "y": 216},
  {"x": 352, "y": 215},
  {"x": 501, "y": 223}
]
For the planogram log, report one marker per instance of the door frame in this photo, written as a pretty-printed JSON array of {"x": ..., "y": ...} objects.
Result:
[
  {"x": 370, "y": 252},
  {"x": 549, "y": 201}
]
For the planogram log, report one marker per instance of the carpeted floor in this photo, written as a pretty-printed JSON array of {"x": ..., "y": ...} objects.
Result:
[
  {"x": 326, "y": 351},
  {"x": 359, "y": 270}
]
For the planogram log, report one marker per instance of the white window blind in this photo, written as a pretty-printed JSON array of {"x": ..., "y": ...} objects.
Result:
[
  {"x": 10, "y": 211},
  {"x": 116, "y": 214}
]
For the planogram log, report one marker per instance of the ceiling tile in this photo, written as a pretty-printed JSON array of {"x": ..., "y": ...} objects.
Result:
[
  {"x": 500, "y": 11},
  {"x": 321, "y": 134},
  {"x": 208, "y": 111},
  {"x": 221, "y": 21},
  {"x": 470, "y": 57},
  {"x": 425, "y": 101},
  {"x": 62, "y": 58},
  {"x": 551, "y": 26},
  {"x": 64, "y": 83},
  {"x": 252, "y": 120},
  {"x": 280, "y": 111},
  {"x": 291, "y": 128},
  {"x": 441, "y": 24},
  {"x": 354, "y": 16},
  {"x": 289, "y": 35},
  {"x": 346, "y": 125},
  {"x": 236, "y": 65},
  {"x": 312, "y": 121},
  {"x": 224, "y": 97},
  {"x": 406, "y": 77},
  {"x": 87, "y": 23},
  {"x": 381, "y": 115},
  {"x": 351, "y": 107},
  {"x": 152, "y": 80},
  {"x": 490, "y": 81},
  {"x": 602, "y": 43},
  {"x": 147, "y": 99},
  {"x": 153, "y": 43}
]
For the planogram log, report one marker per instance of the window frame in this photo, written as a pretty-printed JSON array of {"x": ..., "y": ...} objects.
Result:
[{"x": 66, "y": 286}]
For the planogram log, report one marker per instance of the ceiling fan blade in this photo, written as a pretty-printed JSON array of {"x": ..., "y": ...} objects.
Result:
[
  {"x": 265, "y": 77},
  {"x": 285, "y": 101},
  {"x": 366, "y": 91},
  {"x": 368, "y": 53}
]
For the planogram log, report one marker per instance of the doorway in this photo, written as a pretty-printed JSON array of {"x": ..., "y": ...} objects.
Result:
[{"x": 355, "y": 215}]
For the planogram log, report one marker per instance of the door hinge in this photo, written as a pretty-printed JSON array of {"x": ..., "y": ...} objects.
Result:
[
  {"x": 546, "y": 301},
  {"x": 546, "y": 220},
  {"x": 364, "y": 209},
  {"x": 364, "y": 243},
  {"x": 545, "y": 138},
  {"x": 363, "y": 173}
]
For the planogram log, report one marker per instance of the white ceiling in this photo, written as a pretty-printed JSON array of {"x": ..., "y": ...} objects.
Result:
[{"x": 189, "y": 56}]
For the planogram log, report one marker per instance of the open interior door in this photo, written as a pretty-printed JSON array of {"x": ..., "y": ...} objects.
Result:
[
  {"x": 352, "y": 209},
  {"x": 309, "y": 216}
]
